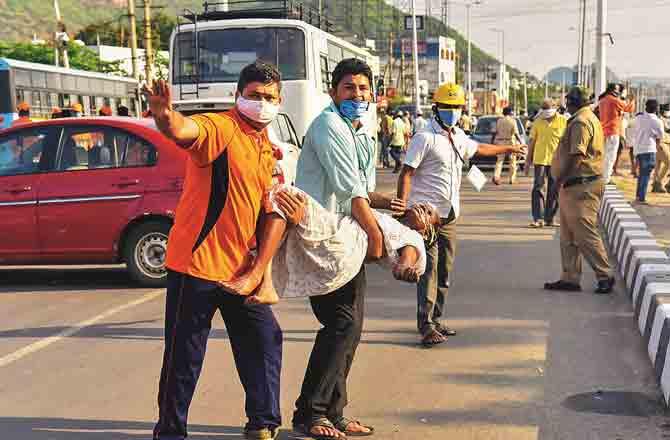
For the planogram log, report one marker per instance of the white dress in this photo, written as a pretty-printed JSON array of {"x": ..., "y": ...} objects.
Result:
[{"x": 326, "y": 251}]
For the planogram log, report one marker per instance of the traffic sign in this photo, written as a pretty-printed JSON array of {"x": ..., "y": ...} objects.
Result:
[{"x": 419, "y": 22}]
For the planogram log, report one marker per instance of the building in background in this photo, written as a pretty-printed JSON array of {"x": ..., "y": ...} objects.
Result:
[{"x": 437, "y": 65}]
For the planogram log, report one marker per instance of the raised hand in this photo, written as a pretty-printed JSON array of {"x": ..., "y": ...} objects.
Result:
[{"x": 158, "y": 97}]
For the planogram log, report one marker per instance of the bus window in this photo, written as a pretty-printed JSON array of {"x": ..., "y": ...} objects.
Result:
[
  {"x": 21, "y": 96},
  {"x": 325, "y": 74},
  {"x": 54, "y": 100},
  {"x": 36, "y": 103},
  {"x": 92, "y": 106},
  {"x": 224, "y": 52},
  {"x": 22, "y": 77}
]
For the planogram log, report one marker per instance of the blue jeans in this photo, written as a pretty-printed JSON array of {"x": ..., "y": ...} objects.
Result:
[
  {"x": 647, "y": 163},
  {"x": 255, "y": 339}
]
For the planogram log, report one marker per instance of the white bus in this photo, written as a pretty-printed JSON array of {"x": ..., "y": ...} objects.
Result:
[
  {"x": 208, "y": 67},
  {"x": 44, "y": 87}
]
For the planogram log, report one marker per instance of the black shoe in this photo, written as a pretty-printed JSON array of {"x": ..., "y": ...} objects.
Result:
[
  {"x": 446, "y": 331},
  {"x": 563, "y": 285},
  {"x": 605, "y": 286}
]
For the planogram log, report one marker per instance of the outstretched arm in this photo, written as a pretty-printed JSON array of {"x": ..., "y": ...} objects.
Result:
[
  {"x": 494, "y": 150},
  {"x": 171, "y": 123}
]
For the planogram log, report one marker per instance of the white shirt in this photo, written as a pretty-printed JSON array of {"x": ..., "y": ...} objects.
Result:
[
  {"x": 420, "y": 124},
  {"x": 437, "y": 179},
  {"x": 648, "y": 129}
]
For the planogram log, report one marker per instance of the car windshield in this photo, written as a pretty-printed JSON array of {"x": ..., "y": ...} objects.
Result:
[
  {"x": 486, "y": 125},
  {"x": 223, "y": 53}
]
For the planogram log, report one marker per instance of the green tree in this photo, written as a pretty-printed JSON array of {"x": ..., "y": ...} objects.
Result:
[{"x": 80, "y": 56}]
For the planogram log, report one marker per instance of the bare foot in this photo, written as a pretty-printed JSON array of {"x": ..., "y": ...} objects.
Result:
[
  {"x": 243, "y": 285},
  {"x": 355, "y": 427},
  {"x": 266, "y": 293}
]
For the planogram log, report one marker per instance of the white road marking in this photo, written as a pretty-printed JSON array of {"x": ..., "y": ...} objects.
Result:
[{"x": 45, "y": 342}]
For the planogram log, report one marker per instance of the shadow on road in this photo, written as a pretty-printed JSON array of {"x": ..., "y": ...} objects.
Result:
[
  {"x": 39, "y": 280},
  {"x": 35, "y": 428}
]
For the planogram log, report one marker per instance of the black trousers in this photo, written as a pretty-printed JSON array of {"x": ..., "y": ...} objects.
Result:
[
  {"x": 544, "y": 208},
  {"x": 324, "y": 388},
  {"x": 255, "y": 338}
]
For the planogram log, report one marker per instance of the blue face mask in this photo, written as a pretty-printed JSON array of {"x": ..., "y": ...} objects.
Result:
[
  {"x": 354, "y": 110},
  {"x": 449, "y": 117}
]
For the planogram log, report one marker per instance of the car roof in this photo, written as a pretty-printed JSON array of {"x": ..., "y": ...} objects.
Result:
[{"x": 111, "y": 121}]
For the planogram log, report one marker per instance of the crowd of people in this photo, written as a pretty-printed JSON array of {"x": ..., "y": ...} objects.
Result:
[{"x": 241, "y": 242}]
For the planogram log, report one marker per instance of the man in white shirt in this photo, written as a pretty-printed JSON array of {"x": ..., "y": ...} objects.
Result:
[
  {"x": 648, "y": 136},
  {"x": 432, "y": 174},
  {"x": 420, "y": 122}
]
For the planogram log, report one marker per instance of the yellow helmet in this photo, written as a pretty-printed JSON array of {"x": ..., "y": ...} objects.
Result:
[{"x": 449, "y": 94}]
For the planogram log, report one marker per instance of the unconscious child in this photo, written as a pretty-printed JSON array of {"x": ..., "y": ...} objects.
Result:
[{"x": 325, "y": 250}]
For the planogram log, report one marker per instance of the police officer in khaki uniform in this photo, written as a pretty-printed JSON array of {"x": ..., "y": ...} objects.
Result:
[
  {"x": 577, "y": 168},
  {"x": 507, "y": 133}
]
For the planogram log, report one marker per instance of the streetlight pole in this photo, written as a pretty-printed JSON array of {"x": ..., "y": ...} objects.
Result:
[
  {"x": 601, "y": 48},
  {"x": 469, "y": 98},
  {"x": 415, "y": 55},
  {"x": 503, "y": 70}
]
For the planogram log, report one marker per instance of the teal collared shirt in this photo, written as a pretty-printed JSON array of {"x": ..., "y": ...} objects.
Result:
[{"x": 337, "y": 163}]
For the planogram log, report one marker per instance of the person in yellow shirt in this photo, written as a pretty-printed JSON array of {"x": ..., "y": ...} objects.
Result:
[{"x": 545, "y": 134}]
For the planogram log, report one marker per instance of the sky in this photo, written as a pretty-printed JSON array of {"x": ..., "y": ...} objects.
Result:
[{"x": 538, "y": 34}]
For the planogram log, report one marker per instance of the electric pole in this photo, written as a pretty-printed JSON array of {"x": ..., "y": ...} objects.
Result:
[
  {"x": 61, "y": 38},
  {"x": 149, "y": 56},
  {"x": 133, "y": 38},
  {"x": 525, "y": 92},
  {"x": 601, "y": 48},
  {"x": 415, "y": 55}
]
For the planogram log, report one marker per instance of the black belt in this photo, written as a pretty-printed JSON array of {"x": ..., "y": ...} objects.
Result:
[{"x": 580, "y": 180}]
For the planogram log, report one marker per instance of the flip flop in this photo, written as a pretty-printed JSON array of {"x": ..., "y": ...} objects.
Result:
[{"x": 323, "y": 422}]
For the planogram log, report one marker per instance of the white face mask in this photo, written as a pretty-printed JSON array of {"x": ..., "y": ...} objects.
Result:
[
  {"x": 547, "y": 113},
  {"x": 262, "y": 111}
]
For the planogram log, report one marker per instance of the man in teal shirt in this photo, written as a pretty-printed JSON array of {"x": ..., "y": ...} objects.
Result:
[{"x": 336, "y": 167}]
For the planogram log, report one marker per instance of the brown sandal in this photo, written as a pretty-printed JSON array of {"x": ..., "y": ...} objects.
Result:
[{"x": 432, "y": 338}]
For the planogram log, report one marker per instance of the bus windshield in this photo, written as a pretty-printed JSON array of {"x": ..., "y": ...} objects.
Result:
[{"x": 225, "y": 52}]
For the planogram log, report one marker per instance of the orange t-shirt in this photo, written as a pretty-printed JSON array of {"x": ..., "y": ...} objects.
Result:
[
  {"x": 228, "y": 172},
  {"x": 611, "y": 110}
]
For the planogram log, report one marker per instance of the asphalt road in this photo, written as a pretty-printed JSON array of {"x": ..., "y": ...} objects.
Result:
[{"x": 80, "y": 351}]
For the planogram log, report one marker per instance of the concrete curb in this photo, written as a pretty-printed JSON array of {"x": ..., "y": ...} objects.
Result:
[{"x": 645, "y": 269}]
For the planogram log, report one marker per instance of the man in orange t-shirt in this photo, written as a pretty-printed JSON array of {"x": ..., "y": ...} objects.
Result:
[
  {"x": 611, "y": 109},
  {"x": 229, "y": 170}
]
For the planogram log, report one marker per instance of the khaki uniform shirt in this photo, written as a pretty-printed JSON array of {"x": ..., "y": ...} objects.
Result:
[
  {"x": 506, "y": 130},
  {"x": 584, "y": 140}
]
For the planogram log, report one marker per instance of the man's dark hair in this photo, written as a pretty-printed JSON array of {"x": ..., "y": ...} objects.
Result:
[
  {"x": 258, "y": 71},
  {"x": 611, "y": 87},
  {"x": 350, "y": 66},
  {"x": 23, "y": 113},
  {"x": 508, "y": 111},
  {"x": 651, "y": 106},
  {"x": 122, "y": 110}
]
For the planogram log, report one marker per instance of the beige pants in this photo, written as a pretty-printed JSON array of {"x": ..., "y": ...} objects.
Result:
[
  {"x": 662, "y": 164},
  {"x": 579, "y": 231},
  {"x": 497, "y": 173}
]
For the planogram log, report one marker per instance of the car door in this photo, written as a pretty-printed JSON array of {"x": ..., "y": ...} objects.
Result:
[
  {"x": 24, "y": 155},
  {"x": 283, "y": 135},
  {"x": 90, "y": 197}
]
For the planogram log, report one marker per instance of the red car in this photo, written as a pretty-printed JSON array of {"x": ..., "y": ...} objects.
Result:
[
  {"x": 98, "y": 191},
  {"x": 89, "y": 191}
]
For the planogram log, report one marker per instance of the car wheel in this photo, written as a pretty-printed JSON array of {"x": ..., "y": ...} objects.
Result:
[{"x": 145, "y": 253}]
